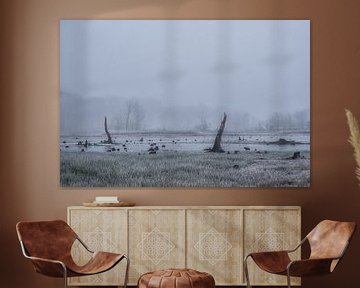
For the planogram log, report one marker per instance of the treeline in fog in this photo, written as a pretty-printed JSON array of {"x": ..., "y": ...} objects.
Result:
[{"x": 85, "y": 116}]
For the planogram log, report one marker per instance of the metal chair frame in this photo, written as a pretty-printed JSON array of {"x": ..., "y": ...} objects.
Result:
[{"x": 26, "y": 255}]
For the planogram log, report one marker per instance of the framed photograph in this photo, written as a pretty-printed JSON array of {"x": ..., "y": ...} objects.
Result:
[{"x": 185, "y": 103}]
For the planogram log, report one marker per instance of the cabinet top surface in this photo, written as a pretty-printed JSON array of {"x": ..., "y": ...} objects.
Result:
[{"x": 192, "y": 207}]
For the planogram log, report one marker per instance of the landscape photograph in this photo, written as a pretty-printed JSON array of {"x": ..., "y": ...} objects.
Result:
[{"x": 185, "y": 103}]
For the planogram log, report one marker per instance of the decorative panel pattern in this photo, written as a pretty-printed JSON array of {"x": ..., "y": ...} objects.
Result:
[
  {"x": 214, "y": 241},
  {"x": 101, "y": 230},
  {"x": 156, "y": 240},
  {"x": 270, "y": 230}
]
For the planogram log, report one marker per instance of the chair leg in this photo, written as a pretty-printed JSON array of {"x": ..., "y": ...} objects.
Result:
[
  {"x": 246, "y": 270},
  {"x": 126, "y": 271},
  {"x": 288, "y": 278},
  {"x": 65, "y": 276}
]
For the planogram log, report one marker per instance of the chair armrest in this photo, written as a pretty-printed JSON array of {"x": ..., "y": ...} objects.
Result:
[
  {"x": 84, "y": 245},
  {"x": 280, "y": 251},
  {"x": 269, "y": 253},
  {"x": 48, "y": 267},
  {"x": 45, "y": 260},
  {"x": 298, "y": 246},
  {"x": 309, "y": 267}
]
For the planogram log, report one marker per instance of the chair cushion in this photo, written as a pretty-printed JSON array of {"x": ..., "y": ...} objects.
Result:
[{"x": 176, "y": 278}]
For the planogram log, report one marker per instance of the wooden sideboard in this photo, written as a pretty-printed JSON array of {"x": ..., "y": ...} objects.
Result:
[{"x": 212, "y": 239}]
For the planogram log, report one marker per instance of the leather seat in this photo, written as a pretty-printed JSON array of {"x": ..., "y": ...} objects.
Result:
[{"x": 48, "y": 245}]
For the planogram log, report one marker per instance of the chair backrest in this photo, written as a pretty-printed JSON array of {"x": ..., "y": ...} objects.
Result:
[
  {"x": 329, "y": 239},
  {"x": 46, "y": 239}
]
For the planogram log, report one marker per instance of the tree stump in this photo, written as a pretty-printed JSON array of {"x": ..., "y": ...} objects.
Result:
[
  {"x": 109, "y": 140},
  {"x": 217, "y": 143}
]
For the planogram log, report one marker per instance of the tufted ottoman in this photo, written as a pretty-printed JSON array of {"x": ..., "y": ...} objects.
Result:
[{"x": 176, "y": 278}]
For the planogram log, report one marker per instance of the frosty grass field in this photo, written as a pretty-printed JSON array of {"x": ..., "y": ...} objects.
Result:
[{"x": 181, "y": 162}]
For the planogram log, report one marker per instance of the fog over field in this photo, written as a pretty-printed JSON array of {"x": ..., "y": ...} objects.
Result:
[
  {"x": 141, "y": 102},
  {"x": 182, "y": 75}
]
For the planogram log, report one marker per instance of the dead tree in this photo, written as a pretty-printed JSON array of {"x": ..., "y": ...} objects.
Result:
[
  {"x": 109, "y": 140},
  {"x": 217, "y": 143}
]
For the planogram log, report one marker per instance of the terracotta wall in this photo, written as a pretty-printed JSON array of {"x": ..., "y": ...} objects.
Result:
[{"x": 29, "y": 118}]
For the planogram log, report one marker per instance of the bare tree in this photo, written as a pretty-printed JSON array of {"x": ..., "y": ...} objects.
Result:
[
  {"x": 109, "y": 140},
  {"x": 301, "y": 119},
  {"x": 217, "y": 143},
  {"x": 134, "y": 115},
  {"x": 137, "y": 116},
  {"x": 274, "y": 122},
  {"x": 290, "y": 121},
  {"x": 129, "y": 110},
  {"x": 203, "y": 125}
]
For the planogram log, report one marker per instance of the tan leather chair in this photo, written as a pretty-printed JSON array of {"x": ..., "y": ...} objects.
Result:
[
  {"x": 328, "y": 242},
  {"x": 48, "y": 245}
]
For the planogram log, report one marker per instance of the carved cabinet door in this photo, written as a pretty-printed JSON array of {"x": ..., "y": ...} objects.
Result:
[
  {"x": 101, "y": 230},
  {"x": 156, "y": 240},
  {"x": 214, "y": 244},
  {"x": 270, "y": 230}
]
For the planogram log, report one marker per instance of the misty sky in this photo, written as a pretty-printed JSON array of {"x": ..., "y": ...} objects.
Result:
[{"x": 181, "y": 71}]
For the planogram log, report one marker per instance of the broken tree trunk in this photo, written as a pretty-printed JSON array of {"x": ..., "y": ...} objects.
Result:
[
  {"x": 109, "y": 140},
  {"x": 217, "y": 143}
]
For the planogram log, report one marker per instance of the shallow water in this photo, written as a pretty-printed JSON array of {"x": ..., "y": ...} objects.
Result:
[{"x": 190, "y": 142}]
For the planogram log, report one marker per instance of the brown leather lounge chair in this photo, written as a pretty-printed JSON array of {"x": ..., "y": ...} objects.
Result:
[
  {"x": 328, "y": 242},
  {"x": 48, "y": 245}
]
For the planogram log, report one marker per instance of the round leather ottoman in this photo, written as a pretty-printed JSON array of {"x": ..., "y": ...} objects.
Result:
[{"x": 176, "y": 278}]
